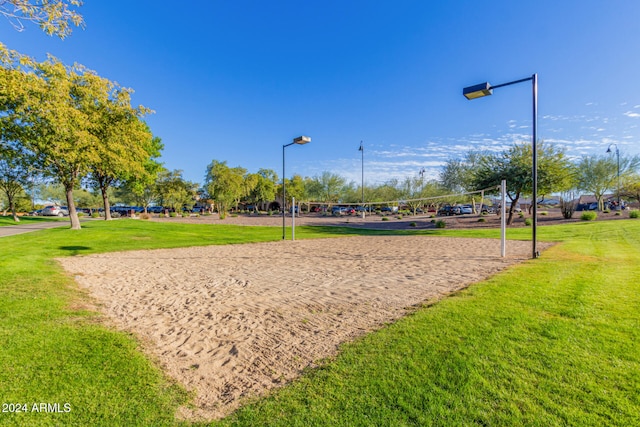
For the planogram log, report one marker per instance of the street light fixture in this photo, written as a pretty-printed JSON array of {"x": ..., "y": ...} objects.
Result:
[
  {"x": 485, "y": 89},
  {"x": 618, "y": 156},
  {"x": 301, "y": 140}
]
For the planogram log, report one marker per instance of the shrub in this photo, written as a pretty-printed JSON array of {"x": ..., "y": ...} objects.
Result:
[
  {"x": 543, "y": 213},
  {"x": 618, "y": 213},
  {"x": 634, "y": 214},
  {"x": 441, "y": 224},
  {"x": 222, "y": 215},
  {"x": 399, "y": 217},
  {"x": 145, "y": 216},
  {"x": 413, "y": 224},
  {"x": 185, "y": 214},
  {"x": 173, "y": 214},
  {"x": 528, "y": 222},
  {"x": 80, "y": 214},
  {"x": 482, "y": 220},
  {"x": 606, "y": 211},
  {"x": 95, "y": 215},
  {"x": 589, "y": 216},
  {"x": 384, "y": 218}
]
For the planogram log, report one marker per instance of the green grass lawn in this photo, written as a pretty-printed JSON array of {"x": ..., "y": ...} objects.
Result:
[
  {"x": 553, "y": 341},
  {"x": 8, "y": 220}
]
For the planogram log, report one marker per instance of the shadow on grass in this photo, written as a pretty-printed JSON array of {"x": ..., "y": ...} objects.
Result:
[{"x": 75, "y": 250}]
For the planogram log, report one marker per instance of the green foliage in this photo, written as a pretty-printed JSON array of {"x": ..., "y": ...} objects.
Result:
[
  {"x": 555, "y": 171},
  {"x": 440, "y": 223},
  {"x": 384, "y": 218},
  {"x": 528, "y": 222},
  {"x": 634, "y": 214},
  {"x": 174, "y": 191},
  {"x": 54, "y": 17},
  {"x": 69, "y": 122},
  {"x": 589, "y": 216},
  {"x": 224, "y": 184},
  {"x": 481, "y": 219}
]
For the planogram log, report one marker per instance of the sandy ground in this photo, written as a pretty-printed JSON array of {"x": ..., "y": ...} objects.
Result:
[{"x": 233, "y": 321}]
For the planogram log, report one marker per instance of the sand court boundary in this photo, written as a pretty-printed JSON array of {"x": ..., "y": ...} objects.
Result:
[{"x": 231, "y": 322}]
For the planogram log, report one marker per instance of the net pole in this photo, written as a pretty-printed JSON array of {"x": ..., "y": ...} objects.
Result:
[
  {"x": 503, "y": 219},
  {"x": 293, "y": 218}
]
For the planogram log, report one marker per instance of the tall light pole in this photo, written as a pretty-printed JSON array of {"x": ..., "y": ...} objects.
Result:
[
  {"x": 485, "y": 89},
  {"x": 301, "y": 140},
  {"x": 618, "y": 156},
  {"x": 361, "y": 149}
]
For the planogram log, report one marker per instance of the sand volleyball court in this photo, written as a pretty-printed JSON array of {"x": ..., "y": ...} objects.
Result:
[{"x": 233, "y": 321}]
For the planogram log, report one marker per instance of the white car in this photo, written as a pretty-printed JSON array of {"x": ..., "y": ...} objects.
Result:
[
  {"x": 466, "y": 209},
  {"x": 53, "y": 210}
]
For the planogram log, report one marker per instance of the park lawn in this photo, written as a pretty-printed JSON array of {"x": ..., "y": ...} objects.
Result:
[
  {"x": 552, "y": 341},
  {"x": 8, "y": 220}
]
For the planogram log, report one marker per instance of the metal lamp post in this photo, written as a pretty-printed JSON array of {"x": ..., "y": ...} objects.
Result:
[
  {"x": 618, "y": 158},
  {"x": 361, "y": 149},
  {"x": 485, "y": 89},
  {"x": 301, "y": 140}
]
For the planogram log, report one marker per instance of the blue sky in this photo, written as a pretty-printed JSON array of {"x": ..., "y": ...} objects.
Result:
[{"x": 236, "y": 80}]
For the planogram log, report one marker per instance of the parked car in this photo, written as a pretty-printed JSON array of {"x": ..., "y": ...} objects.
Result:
[
  {"x": 349, "y": 210},
  {"x": 338, "y": 210},
  {"x": 466, "y": 209},
  {"x": 448, "y": 210},
  {"x": 36, "y": 212},
  {"x": 53, "y": 210}
]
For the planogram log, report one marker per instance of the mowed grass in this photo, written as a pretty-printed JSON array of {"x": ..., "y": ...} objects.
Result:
[{"x": 553, "y": 341}]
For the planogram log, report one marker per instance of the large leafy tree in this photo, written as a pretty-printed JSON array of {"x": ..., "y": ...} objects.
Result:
[
  {"x": 328, "y": 187},
  {"x": 224, "y": 184},
  {"x": 42, "y": 109},
  {"x": 555, "y": 172},
  {"x": 54, "y": 17},
  {"x": 126, "y": 144},
  {"x": 174, "y": 191},
  {"x": 73, "y": 121},
  {"x": 264, "y": 190},
  {"x": 599, "y": 174}
]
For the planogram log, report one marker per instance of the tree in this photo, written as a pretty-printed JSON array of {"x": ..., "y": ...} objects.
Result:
[
  {"x": 142, "y": 188},
  {"x": 599, "y": 174},
  {"x": 456, "y": 175},
  {"x": 174, "y": 191},
  {"x": 327, "y": 187},
  {"x": 126, "y": 144},
  {"x": 72, "y": 120},
  {"x": 514, "y": 165},
  {"x": 225, "y": 185},
  {"x": 264, "y": 190},
  {"x": 53, "y": 16},
  {"x": 14, "y": 177},
  {"x": 411, "y": 189},
  {"x": 631, "y": 187},
  {"x": 40, "y": 102}
]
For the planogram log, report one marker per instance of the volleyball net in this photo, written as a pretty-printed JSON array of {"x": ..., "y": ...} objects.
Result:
[{"x": 478, "y": 200}]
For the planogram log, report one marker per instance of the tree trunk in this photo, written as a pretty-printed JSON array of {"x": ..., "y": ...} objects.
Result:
[
  {"x": 12, "y": 207},
  {"x": 512, "y": 208},
  {"x": 73, "y": 214},
  {"x": 105, "y": 202}
]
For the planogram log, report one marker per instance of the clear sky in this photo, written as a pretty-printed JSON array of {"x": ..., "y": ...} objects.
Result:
[{"x": 236, "y": 80}]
